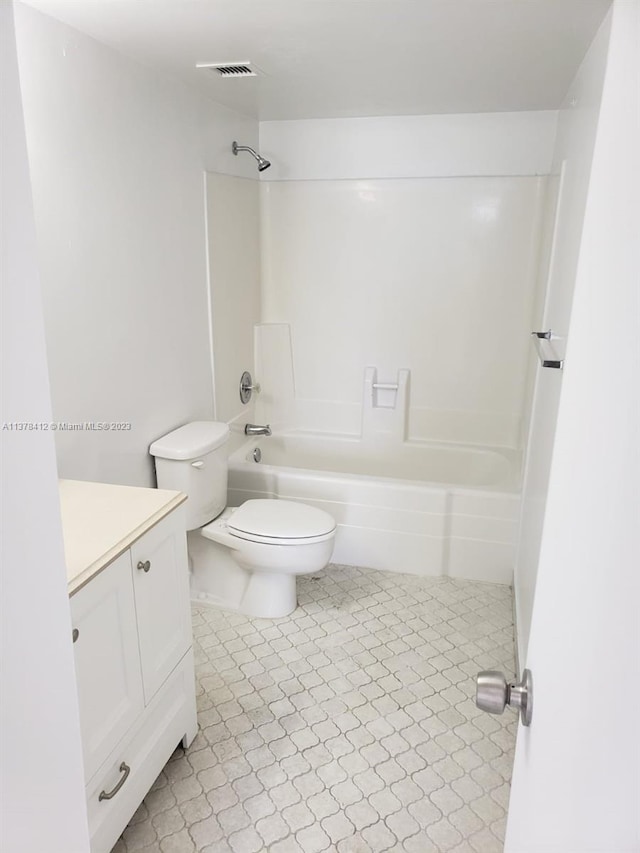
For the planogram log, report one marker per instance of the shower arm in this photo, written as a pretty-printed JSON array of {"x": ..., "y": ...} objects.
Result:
[{"x": 235, "y": 148}]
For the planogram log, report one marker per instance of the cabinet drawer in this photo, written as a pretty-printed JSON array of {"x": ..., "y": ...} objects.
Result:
[
  {"x": 107, "y": 661},
  {"x": 169, "y": 717},
  {"x": 161, "y": 586}
]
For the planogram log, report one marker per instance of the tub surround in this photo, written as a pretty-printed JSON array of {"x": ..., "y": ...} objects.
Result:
[
  {"x": 100, "y": 521},
  {"x": 434, "y": 275}
]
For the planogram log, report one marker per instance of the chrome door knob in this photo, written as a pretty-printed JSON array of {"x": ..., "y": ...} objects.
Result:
[
  {"x": 494, "y": 693},
  {"x": 491, "y": 692}
]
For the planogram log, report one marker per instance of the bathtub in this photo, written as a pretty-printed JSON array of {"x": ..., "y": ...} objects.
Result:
[{"x": 428, "y": 509}]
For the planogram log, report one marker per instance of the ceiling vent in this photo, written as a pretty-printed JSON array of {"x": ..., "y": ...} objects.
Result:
[{"x": 231, "y": 69}]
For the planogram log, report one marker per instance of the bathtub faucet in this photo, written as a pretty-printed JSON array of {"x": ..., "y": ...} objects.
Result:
[{"x": 255, "y": 429}]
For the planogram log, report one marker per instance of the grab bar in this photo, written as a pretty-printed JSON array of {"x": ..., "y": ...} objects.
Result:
[
  {"x": 385, "y": 386},
  {"x": 543, "y": 340}
]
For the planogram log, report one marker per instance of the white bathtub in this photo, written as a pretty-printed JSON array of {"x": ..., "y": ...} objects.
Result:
[{"x": 423, "y": 508}]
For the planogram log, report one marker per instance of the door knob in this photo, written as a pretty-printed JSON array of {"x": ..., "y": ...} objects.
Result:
[{"x": 494, "y": 693}]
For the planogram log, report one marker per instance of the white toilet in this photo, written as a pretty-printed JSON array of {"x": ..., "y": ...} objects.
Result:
[{"x": 244, "y": 558}]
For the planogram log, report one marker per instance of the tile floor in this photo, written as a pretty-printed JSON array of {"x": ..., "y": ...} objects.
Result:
[{"x": 348, "y": 726}]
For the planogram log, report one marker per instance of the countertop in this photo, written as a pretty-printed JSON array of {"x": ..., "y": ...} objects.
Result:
[{"x": 100, "y": 521}]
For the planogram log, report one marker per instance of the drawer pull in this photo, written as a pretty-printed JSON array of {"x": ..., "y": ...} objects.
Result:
[
  {"x": 75, "y": 634},
  {"x": 125, "y": 770},
  {"x": 144, "y": 566}
]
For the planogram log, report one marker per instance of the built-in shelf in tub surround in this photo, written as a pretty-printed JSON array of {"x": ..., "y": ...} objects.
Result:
[{"x": 100, "y": 521}]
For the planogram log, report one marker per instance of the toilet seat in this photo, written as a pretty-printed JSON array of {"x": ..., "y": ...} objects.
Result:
[{"x": 278, "y": 522}]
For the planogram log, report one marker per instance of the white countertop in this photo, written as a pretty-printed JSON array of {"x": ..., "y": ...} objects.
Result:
[{"x": 100, "y": 521}]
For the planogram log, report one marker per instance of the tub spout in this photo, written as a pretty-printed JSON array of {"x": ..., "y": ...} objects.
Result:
[{"x": 256, "y": 429}]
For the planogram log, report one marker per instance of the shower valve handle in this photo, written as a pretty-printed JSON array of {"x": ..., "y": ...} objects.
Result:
[{"x": 247, "y": 386}]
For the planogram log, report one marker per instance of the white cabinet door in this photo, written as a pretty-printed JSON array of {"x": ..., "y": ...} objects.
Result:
[
  {"x": 161, "y": 584},
  {"x": 107, "y": 661}
]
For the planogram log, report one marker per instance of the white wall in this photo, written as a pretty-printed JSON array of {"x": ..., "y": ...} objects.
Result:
[
  {"x": 576, "y": 780},
  {"x": 572, "y": 156},
  {"x": 436, "y": 274},
  {"x": 118, "y": 153},
  {"x": 42, "y": 795},
  {"x": 233, "y": 226},
  {"x": 409, "y": 146}
]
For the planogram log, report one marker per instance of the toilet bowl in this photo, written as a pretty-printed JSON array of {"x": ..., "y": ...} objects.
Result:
[{"x": 242, "y": 558}]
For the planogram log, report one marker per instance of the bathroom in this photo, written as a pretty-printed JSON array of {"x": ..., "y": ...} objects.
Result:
[{"x": 396, "y": 240}]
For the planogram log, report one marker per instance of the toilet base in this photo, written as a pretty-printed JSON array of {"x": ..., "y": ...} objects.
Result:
[
  {"x": 271, "y": 601},
  {"x": 267, "y": 596},
  {"x": 218, "y": 580}
]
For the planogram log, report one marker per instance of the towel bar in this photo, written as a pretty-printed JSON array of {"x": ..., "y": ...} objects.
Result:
[{"x": 543, "y": 340}]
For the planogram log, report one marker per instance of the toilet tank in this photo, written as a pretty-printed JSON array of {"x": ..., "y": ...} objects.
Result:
[{"x": 193, "y": 459}]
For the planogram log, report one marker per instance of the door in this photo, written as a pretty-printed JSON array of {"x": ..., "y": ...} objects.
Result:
[
  {"x": 105, "y": 644},
  {"x": 161, "y": 585},
  {"x": 575, "y": 782}
]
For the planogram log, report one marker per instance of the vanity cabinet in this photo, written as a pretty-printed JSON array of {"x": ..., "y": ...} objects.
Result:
[{"x": 131, "y": 630}]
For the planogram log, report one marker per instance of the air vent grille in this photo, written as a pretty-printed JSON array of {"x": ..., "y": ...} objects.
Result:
[{"x": 231, "y": 69}]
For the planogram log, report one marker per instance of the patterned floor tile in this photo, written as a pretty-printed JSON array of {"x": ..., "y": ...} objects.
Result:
[{"x": 348, "y": 726}]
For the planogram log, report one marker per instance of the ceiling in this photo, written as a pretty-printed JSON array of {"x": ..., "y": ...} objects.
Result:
[{"x": 338, "y": 58}]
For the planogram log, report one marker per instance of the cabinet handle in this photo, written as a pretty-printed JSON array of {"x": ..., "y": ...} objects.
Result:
[
  {"x": 125, "y": 769},
  {"x": 144, "y": 566},
  {"x": 75, "y": 634}
]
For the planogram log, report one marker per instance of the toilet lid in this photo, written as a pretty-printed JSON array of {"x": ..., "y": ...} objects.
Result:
[{"x": 280, "y": 522}]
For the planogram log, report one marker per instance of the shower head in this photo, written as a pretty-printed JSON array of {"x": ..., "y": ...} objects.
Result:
[{"x": 262, "y": 163}]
